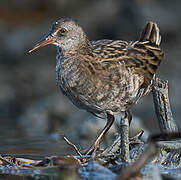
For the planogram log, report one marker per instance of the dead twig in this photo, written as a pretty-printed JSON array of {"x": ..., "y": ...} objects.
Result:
[
  {"x": 6, "y": 161},
  {"x": 74, "y": 146},
  {"x": 136, "y": 138}
]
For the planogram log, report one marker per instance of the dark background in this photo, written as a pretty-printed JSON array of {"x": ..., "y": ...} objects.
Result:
[{"x": 30, "y": 103}]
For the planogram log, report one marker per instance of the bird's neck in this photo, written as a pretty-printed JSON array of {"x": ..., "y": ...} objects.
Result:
[
  {"x": 82, "y": 48},
  {"x": 70, "y": 61}
]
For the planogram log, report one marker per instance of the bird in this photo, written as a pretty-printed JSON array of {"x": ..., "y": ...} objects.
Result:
[{"x": 104, "y": 77}]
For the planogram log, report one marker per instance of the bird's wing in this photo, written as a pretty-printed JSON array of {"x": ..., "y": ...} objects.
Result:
[
  {"x": 109, "y": 50},
  {"x": 142, "y": 57}
]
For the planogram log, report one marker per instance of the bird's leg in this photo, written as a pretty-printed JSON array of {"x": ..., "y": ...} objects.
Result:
[
  {"x": 93, "y": 148},
  {"x": 128, "y": 116},
  {"x": 124, "y": 136}
]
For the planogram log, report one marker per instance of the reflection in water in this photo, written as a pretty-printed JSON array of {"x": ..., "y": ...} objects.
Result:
[
  {"x": 36, "y": 148},
  {"x": 33, "y": 147}
]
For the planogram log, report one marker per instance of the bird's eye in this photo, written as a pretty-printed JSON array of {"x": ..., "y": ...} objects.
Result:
[{"x": 63, "y": 31}]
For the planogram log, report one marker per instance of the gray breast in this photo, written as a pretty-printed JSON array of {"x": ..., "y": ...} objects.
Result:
[{"x": 67, "y": 78}]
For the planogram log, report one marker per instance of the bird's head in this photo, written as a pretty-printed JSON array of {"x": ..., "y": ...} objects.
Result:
[{"x": 64, "y": 33}]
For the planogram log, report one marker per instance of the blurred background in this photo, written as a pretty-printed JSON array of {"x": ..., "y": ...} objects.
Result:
[{"x": 33, "y": 112}]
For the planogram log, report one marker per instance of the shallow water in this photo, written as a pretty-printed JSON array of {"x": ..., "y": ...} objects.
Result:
[{"x": 14, "y": 143}]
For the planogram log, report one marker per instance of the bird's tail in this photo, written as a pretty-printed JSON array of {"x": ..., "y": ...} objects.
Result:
[
  {"x": 149, "y": 43},
  {"x": 151, "y": 33}
]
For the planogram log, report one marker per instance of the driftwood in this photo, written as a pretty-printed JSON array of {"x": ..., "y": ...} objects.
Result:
[{"x": 162, "y": 106}]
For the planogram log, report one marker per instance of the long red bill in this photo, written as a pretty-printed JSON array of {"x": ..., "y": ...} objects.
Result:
[{"x": 48, "y": 40}]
